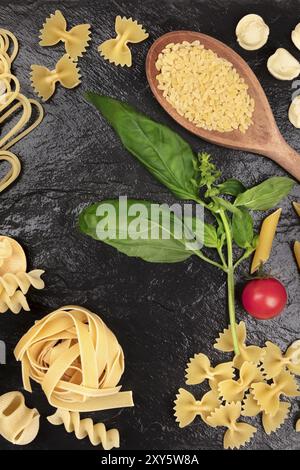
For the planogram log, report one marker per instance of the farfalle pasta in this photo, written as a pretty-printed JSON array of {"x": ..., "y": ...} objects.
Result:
[
  {"x": 14, "y": 280},
  {"x": 117, "y": 50},
  {"x": 272, "y": 423},
  {"x": 97, "y": 433},
  {"x": 274, "y": 362},
  {"x": 200, "y": 369},
  {"x": 18, "y": 424},
  {"x": 234, "y": 390},
  {"x": 44, "y": 80},
  {"x": 187, "y": 407},
  {"x": 55, "y": 30},
  {"x": 12, "y": 102},
  {"x": 237, "y": 433},
  {"x": 247, "y": 353}
]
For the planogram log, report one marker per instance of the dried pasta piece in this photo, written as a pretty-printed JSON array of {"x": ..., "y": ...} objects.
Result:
[
  {"x": 10, "y": 282},
  {"x": 14, "y": 304},
  {"x": 76, "y": 359},
  {"x": 44, "y": 80},
  {"x": 297, "y": 252},
  {"x": 18, "y": 424},
  {"x": 97, "y": 433},
  {"x": 14, "y": 171},
  {"x": 234, "y": 390},
  {"x": 200, "y": 369},
  {"x": 247, "y": 353},
  {"x": 266, "y": 237},
  {"x": 275, "y": 362},
  {"x": 55, "y": 30},
  {"x": 268, "y": 396},
  {"x": 116, "y": 50},
  {"x": 250, "y": 407},
  {"x": 272, "y": 423},
  {"x": 298, "y": 425},
  {"x": 187, "y": 407},
  {"x": 237, "y": 434},
  {"x": 297, "y": 207}
]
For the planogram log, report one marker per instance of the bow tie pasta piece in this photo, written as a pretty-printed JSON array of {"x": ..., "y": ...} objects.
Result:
[
  {"x": 44, "y": 80},
  {"x": 116, "y": 50},
  {"x": 250, "y": 407},
  {"x": 275, "y": 362},
  {"x": 200, "y": 369},
  {"x": 237, "y": 434},
  {"x": 55, "y": 30},
  {"x": 234, "y": 390},
  {"x": 82, "y": 428},
  {"x": 76, "y": 359},
  {"x": 247, "y": 353},
  {"x": 268, "y": 396},
  {"x": 272, "y": 423},
  {"x": 18, "y": 424},
  {"x": 187, "y": 407}
]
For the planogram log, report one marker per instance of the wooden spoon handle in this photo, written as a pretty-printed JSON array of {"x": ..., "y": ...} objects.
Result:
[{"x": 285, "y": 156}]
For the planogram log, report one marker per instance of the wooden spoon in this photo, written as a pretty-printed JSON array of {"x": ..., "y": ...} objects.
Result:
[{"x": 262, "y": 137}]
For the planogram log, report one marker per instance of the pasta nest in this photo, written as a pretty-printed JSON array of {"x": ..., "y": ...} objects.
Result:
[{"x": 76, "y": 359}]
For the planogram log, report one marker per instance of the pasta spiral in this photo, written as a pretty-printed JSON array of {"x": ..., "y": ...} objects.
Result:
[
  {"x": 96, "y": 433},
  {"x": 11, "y": 282},
  {"x": 76, "y": 359},
  {"x": 11, "y": 102},
  {"x": 18, "y": 424}
]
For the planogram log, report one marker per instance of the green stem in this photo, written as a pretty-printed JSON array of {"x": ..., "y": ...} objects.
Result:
[
  {"x": 246, "y": 255},
  {"x": 222, "y": 258},
  {"x": 230, "y": 282},
  {"x": 210, "y": 261}
]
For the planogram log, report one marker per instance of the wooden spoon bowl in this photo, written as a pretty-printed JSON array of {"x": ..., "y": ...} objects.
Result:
[{"x": 262, "y": 137}]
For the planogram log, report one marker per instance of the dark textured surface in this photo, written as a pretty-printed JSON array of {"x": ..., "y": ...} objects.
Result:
[{"x": 162, "y": 314}]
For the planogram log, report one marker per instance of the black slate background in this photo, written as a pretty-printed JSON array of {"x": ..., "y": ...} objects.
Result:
[{"x": 162, "y": 314}]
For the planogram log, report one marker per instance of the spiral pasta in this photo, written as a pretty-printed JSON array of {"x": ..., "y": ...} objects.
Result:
[
  {"x": 18, "y": 424},
  {"x": 11, "y": 102},
  {"x": 14, "y": 280},
  {"x": 76, "y": 359},
  {"x": 97, "y": 433}
]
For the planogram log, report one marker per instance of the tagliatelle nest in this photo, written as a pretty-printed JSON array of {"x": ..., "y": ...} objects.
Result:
[{"x": 249, "y": 385}]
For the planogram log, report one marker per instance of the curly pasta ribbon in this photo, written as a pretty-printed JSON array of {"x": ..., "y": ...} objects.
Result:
[
  {"x": 272, "y": 423},
  {"x": 18, "y": 424},
  {"x": 234, "y": 390},
  {"x": 11, "y": 282},
  {"x": 247, "y": 353},
  {"x": 237, "y": 433},
  {"x": 82, "y": 428},
  {"x": 116, "y": 50},
  {"x": 44, "y": 80},
  {"x": 275, "y": 362},
  {"x": 76, "y": 359},
  {"x": 187, "y": 407},
  {"x": 11, "y": 101},
  {"x": 55, "y": 30},
  {"x": 267, "y": 396},
  {"x": 199, "y": 369}
]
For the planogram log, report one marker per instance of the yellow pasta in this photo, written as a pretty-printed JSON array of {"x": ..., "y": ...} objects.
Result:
[
  {"x": 187, "y": 407},
  {"x": 14, "y": 280},
  {"x": 82, "y": 428},
  {"x": 297, "y": 207},
  {"x": 272, "y": 423},
  {"x": 297, "y": 252},
  {"x": 18, "y": 424},
  {"x": 234, "y": 390},
  {"x": 237, "y": 434},
  {"x": 298, "y": 425},
  {"x": 250, "y": 407},
  {"x": 76, "y": 359},
  {"x": 275, "y": 362},
  {"x": 247, "y": 353},
  {"x": 55, "y": 30},
  {"x": 44, "y": 80},
  {"x": 199, "y": 369},
  {"x": 12, "y": 102},
  {"x": 116, "y": 50},
  {"x": 268, "y": 396},
  {"x": 266, "y": 237}
]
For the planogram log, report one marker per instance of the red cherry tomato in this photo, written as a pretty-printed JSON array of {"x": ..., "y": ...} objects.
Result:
[{"x": 264, "y": 298}]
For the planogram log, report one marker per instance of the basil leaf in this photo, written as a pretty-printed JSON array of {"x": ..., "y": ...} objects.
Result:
[
  {"x": 242, "y": 228},
  {"x": 163, "y": 152},
  {"x": 165, "y": 249},
  {"x": 266, "y": 194},
  {"x": 205, "y": 233},
  {"x": 232, "y": 186},
  {"x": 223, "y": 203}
]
